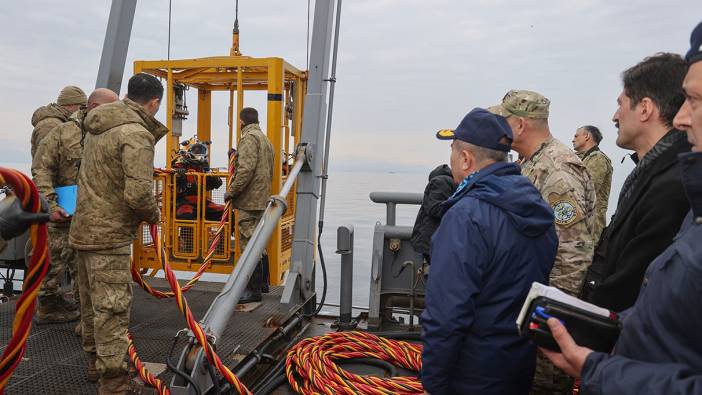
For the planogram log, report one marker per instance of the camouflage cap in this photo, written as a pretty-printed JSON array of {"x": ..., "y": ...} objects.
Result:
[
  {"x": 522, "y": 103},
  {"x": 71, "y": 95}
]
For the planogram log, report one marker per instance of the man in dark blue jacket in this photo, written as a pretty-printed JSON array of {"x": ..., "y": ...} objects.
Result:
[
  {"x": 497, "y": 236},
  {"x": 660, "y": 348}
]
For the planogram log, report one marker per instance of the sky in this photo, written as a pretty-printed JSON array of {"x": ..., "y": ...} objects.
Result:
[{"x": 406, "y": 67}]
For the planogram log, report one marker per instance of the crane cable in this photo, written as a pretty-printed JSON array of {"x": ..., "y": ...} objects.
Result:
[{"x": 27, "y": 193}]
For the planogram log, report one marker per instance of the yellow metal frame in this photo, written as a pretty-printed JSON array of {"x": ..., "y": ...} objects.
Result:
[{"x": 235, "y": 74}]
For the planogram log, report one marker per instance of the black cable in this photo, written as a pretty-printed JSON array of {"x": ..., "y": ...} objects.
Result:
[
  {"x": 324, "y": 272},
  {"x": 272, "y": 385}
]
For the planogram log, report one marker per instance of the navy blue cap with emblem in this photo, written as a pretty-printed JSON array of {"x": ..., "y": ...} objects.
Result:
[
  {"x": 695, "y": 52},
  {"x": 482, "y": 128}
]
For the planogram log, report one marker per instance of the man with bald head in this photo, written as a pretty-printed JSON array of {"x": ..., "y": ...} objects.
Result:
[{"x": 56, "y": 164}]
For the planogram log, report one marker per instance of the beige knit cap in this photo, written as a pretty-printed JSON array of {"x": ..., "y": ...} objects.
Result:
[{"x": 71, "y": 95}]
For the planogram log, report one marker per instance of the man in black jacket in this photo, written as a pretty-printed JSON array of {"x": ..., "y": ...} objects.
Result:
[
  {"x": 437, "y": 191},
  {"x": 652, "y": 201}
]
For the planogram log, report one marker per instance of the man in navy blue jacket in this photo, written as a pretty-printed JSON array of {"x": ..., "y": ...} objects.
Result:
[
  {"x": 660, "y": 348},
  {"x": 497, "y": 236}
]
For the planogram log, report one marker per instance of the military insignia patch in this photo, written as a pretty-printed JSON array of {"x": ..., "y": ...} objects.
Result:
[{"x": 564, "y": 211}]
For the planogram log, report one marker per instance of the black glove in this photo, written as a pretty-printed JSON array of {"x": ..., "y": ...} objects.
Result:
[
  {"x": 14, "y": 220},
  {"x": 180, "y": 171}
]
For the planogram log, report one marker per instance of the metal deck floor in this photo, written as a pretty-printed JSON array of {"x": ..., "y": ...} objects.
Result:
[{"x": 54, "y": 362}]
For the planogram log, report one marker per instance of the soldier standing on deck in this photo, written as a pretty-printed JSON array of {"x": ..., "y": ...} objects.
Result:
[
  {"x": 45, "y": 118},
  {"x": 586, "y": 143},
  {"x": 115, "y": 194},
  {"x": 56, "y": 164},
  {"x": 250, "y": 190},
  {"x": 565, "y": 184}
]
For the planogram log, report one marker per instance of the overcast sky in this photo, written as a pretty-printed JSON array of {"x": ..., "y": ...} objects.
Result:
[{"x": 406, "y": 67}]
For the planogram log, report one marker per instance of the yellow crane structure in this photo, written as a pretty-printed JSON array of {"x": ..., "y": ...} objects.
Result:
[{"x": 188, "y": 240}]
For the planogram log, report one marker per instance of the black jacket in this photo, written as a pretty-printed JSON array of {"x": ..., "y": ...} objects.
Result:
[
  {"x": 438, "y": 190},
  {"x": 641, "y": 229}
]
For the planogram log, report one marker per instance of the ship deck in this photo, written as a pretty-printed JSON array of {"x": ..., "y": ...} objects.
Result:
[{"x": 54, "y": 362}]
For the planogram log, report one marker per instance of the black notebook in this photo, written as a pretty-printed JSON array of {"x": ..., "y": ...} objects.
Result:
[{"x": 590, "y": 326}]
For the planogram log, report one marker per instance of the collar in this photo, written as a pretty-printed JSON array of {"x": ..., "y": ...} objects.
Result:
[
  {"x": 591, "y": 151},
  {"x": 156, "y": 128},
  {"x": 248, "y": 128},
  {"x": 691, "y": 169},
  {"x": 545, "y": 144}
]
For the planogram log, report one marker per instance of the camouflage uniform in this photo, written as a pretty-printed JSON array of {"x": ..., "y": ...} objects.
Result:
[
  {"x": 251, "y": 185},
  {"x": 56, "y": 164},
  {"x": 44, "y": 119},
  {"x": 565, "y": 184},
  {"x": 115, "y": 194},
  {"x": 600, "y": 168}
]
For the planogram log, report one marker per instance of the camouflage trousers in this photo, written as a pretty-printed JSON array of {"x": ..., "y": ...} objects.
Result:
[
  {"x": 248, "y": 219},
  {"x": 62, "y": 257},
  {"x": 549, "y": 380},
  {"x": 106, "y": 297}
]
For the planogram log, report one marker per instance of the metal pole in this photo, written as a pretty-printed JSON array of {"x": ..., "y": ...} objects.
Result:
[
  {"x": 223, "y": 306},
  {"x": 300, "y": 284},
  {"x": 327, "y": 138},
  {"x": 114, "y": 50},
  {"x": 391, "y": 208},
  {"x": 344, "y": 245}
]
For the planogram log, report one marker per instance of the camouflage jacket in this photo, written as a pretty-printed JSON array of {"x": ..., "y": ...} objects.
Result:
[
  {"x": 253, "y": 170},
  {"x": 115, "y": 181},
  {"x": 565, "y": 184},
  {"x": 600, "y": 168},
  {"x": 57, "y": 159},
  {"x": 44, "y": 119}
]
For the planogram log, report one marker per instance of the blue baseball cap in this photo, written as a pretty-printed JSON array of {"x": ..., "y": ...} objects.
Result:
[
  {"x": 695, "y": 52},
  {"x": 482, "y": 128}
]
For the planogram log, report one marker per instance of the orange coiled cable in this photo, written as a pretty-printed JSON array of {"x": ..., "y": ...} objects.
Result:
[{"x": 27, "y": 193}]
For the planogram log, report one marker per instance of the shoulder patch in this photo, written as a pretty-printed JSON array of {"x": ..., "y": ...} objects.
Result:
[{"x": 565, "y": 210}]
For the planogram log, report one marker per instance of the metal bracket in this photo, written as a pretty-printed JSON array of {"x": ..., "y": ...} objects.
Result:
[{"x": 307, "y": 164}]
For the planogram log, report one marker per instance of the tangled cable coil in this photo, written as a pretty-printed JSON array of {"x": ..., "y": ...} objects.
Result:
[
  {"x": 27, "y": 193},
  {"x": 314, "y": 361}
]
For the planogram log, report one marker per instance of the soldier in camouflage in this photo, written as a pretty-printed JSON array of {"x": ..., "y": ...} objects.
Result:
[
  {"x": 565, "y": 184},
  {"x": 251, "y": 188},
  {"x": 56, "y": 164},
  {"x": 115, "y": 194},
  {"x": 586, "y": 143},
  {"x": 45, "y": 118}
]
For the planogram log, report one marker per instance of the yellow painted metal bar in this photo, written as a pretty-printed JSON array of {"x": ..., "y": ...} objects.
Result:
[
  {"x": 274, "y": 129},
  {"x": 172, "y": 142},
  {"x": 204, "y": 115}
]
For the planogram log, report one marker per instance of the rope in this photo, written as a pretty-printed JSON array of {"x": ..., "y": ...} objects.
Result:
[
  {"x": 313, "y": 362},
  {"x": 26, "y": 191},
  {"x": 139, "y": 279},
  {"x": 177, "y": 292}
]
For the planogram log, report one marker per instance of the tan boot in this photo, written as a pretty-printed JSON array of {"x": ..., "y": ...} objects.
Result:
[
  {"x": 123, "y": 385},
  {"x": 92, "y": 374},
  {"x": 50, "y": 311}
]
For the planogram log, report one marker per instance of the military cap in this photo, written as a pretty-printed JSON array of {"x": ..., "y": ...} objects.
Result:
[
  {"x": 481, "y": 128},
  {"x": 72, "y": 95},
  {"x": 695, "y": 52},
  {"x": 522, "y": 103}
]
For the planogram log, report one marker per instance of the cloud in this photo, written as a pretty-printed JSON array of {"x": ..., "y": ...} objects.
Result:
[{"x": 406, "y": 67}]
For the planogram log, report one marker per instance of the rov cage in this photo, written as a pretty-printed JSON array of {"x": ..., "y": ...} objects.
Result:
[{"x": 187, "y": 241}]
